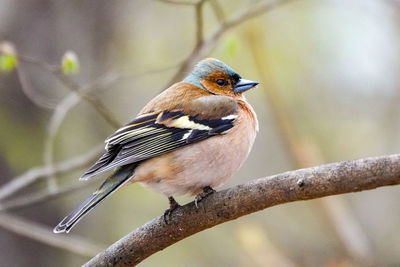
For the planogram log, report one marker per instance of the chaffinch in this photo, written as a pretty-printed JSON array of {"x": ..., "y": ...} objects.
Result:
[{"x": 190, "y": 138}]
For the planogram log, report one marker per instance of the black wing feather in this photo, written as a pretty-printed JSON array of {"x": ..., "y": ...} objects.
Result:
[{"x": 146, "y": 137}]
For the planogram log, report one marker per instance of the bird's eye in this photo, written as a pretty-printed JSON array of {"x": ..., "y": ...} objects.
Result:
[{"x": 221, "y": 82}]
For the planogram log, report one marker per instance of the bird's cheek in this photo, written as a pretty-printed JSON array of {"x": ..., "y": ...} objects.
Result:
[{"x": 211, "y": 86}]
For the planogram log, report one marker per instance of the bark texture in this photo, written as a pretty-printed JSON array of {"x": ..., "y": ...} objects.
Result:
[{"x": 229, "y": 204}]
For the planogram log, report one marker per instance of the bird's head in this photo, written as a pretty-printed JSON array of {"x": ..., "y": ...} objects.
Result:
[{"x": 216, "y": 77}]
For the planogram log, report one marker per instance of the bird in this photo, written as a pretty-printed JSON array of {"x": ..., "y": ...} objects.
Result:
[{"x": 189, "y": 139}]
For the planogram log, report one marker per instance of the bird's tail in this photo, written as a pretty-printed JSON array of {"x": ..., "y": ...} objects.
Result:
[{"x": 110, "y": 185}]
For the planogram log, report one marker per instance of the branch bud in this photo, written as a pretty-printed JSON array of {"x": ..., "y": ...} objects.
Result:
[
  {"x": 70, "y": 63},
  {"x": 8, "y": 57}
]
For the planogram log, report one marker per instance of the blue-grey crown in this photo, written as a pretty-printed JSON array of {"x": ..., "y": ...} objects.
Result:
[{"x": 205, "y": 67}]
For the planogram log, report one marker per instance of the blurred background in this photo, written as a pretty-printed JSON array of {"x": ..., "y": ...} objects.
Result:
[{"x": 329, "y": 92}]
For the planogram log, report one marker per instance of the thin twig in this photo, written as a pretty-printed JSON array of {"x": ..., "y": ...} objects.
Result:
[
  {"x": 95, "y": 102},
  {"x": 199, "y": 24},
  {"x": 74, "y": 87},
  {"x": 34, "y": 174},
  {"x": 48, "y": 160},
  {"x": 232, "y": 203},
  {"x": 209, "y": 43},
  {"x": 43, "y": 234},
  {"x": 218, "y": 10},
  {"x": 29, "y": 90},
  {"x": 71, "y": 100},
  {"x": 28, "y": 200}
]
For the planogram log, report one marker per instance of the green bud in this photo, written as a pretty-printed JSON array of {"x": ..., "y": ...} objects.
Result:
[
  {"x": 8, "y": 57},
  {"x": 70, "y": 63}
]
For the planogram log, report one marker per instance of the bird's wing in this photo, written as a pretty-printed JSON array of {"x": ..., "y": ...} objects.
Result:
[{"x": 156, "y": 133}]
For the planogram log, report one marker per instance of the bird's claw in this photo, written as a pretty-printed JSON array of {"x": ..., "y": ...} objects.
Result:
[
  {"x": 167, "y": 214},
  {"x": 206, "y": 192},
  {"x": 173, "y": 205}
]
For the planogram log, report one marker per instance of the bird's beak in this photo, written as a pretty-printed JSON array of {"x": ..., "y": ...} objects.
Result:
[{"x": 244, "y": 85}]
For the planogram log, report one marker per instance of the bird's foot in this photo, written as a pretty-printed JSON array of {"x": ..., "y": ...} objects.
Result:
[
  {"x": 206, "y": 192},
  {"x": 173, "y": 205}
]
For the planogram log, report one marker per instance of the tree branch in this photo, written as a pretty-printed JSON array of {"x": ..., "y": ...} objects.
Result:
[
  {"x": 61, "y": 110},
  {"x": 206, "y": 45},
  {"x": 34, "y": 174},
  {"x": 27, "y": 200},
  {"x": 76, "y": 88},
  {"x": 229, "y": 204},
  {"x": 43, "y": 234},
  {"x": 218, "y": 10},
  {"x": 200, "y": 23}
]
